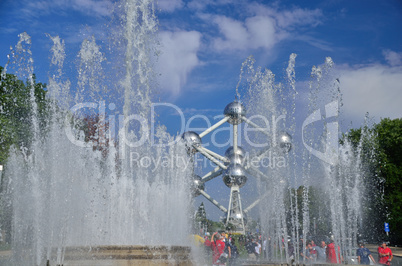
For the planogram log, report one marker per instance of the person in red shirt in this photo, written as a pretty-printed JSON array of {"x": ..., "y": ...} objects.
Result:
[
  {"x": 331, "y": 253},
  {"x": 218, "y": 246},
  {"x": 384, "y": 254},
  {"x": 313, "y": 252}
]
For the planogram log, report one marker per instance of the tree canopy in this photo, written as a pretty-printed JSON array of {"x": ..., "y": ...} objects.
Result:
[
  {"x": 382, "y": 154},
  {"x": 16, "y": 111}
]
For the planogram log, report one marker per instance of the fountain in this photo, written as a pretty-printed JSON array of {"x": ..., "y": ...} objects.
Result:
[
  {"x": 115, "y": 196},
  {"x": 109, "y": 198},
  {"x": 334, "y": 170},
  {"x": 282, "y": 220}
]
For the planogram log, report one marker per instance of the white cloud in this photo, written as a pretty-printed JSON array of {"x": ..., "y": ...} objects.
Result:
[
  {"x": 93, "y": 7},
  {"x": 263, "y": 30},
  {"x": 170, "y": 5},
  {"x": 288, "y": 18},
  {"x": 376, "y": 89},
  {"x": 393, "y": 58},
  {"x": 298, "y": 17},
  {"x": 256, "y": 32},
  {"x": 89, "y": 7},
  {"x": 178, "y": 59},
  {"x": 202, "y": 5},
  {"x": 234, "y": 32}
]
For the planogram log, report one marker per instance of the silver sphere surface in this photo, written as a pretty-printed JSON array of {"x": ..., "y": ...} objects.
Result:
[
  {"x": 285, "y": 141},
  {"x": 235, "y": 158},
  {"x": 191, "y": 139},
  {"x": 197, "y": 185},
  {"x": 234, "y": 111},
  {"x": 230, "y": 151},
  {"x": 234, "y": 175}
]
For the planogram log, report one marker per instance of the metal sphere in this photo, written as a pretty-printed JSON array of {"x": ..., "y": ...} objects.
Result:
[
  {"x": 228, "y": 180},
  {"x": 238, "y": 158},
  {"x": 234, "y": 111},
  {"x": 191, "y": 139},
  {"x": 230, "y": 152},
  {"x": 241, "y": 181},
  {"x": 197, "y": 185},
  {"x": 234, "y": 175},
  {"x": 285, "y": 141}
]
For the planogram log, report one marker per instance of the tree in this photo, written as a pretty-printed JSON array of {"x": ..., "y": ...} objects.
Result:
[
  {"x": 381, "y": 154},
  {"x": 317, "y": 205},
  {"x": 389, "y": 136},
  {"x": 16, "y": 111},
  {"x": 16, "y": 123}
]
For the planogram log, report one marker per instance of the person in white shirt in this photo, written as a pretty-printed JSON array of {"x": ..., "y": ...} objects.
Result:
[{"x": 257, "y": 249}]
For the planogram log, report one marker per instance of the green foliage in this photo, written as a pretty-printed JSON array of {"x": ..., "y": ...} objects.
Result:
[
  {"x": 317, "y": 205},
  {"x": 252, "y": 226},
  {"x": 389, "y": 135},
  {"x": 230, "y": 227},
  {"x": 240, "y": 244},
  {"x": 16, "y": 111},
  {"x": 215, "y": 226},
  {"x": 201, "y": 221},
  {"x": 381, "y": 154}
]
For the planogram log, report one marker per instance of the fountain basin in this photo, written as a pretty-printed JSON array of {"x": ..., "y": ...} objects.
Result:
[{"x": 122, "y": 255}]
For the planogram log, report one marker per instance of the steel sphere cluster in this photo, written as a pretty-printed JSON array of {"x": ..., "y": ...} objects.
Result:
[
  {"x": 235, "y": 173},
  {"x": 232, "y": 166}
]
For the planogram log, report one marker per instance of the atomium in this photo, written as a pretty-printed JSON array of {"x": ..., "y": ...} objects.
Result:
[
  {"x": 232, "y": 166},
  {"x": 234, "y": 111}
]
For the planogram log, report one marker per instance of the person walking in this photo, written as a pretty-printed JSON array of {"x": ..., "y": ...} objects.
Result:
[
  {"x": 218, "y": 247},
  {"x": 234, "y": 254},
  {"x": 331, "y": 253},
  {"x": 364, "y": 255},
  {"x": 257, "y": 249},
  {"x": 264, "y": 247},
  {"x": 250, "y": 247},
  {"x": 313, "y": 252},
  {"x": 291, "y": 251},
  {"x": 306, "y": 255},
  {"x": 385, "y": 255},
  {"x": 321, "y": 252}
]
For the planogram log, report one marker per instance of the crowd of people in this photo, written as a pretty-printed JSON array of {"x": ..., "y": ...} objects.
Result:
[
  {"x": 224, "y": 251},
  {"x": 331, "y": 253},
  {"x": 323, "y": 253}
]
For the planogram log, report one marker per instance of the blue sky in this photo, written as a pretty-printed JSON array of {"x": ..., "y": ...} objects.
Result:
[
  {"x": 210, "y": 39},
  {"x": 204, "y": 43}
]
